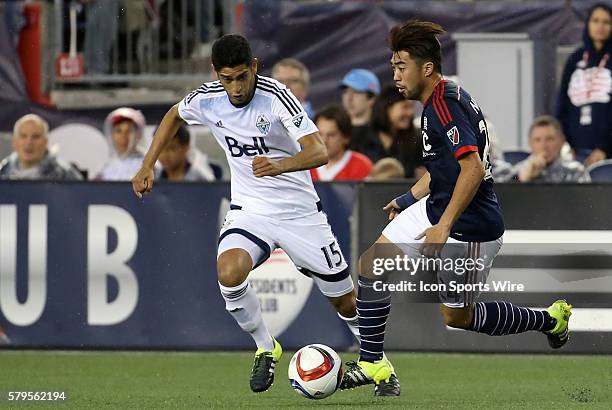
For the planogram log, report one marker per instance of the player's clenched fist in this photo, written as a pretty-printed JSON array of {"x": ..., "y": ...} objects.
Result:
[
  {"x": 266, "y": 167},
  {"x": 143, "y": 181}
]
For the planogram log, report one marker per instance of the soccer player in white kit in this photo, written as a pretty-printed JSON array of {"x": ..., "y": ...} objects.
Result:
[{"x": 270, "y": 144}]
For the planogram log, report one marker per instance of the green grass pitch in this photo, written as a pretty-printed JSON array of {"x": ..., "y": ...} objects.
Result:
[{"x": 220, "y": 379}]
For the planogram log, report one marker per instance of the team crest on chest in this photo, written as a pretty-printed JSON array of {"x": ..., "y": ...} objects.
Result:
[
  {"x": 453, "y": 135},
  {"x": 262, "y": 124}
]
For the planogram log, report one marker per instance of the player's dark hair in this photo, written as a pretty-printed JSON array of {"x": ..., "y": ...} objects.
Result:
[
  {"x": 182, "y": 136},
  {"x": 231, "y": 50},
  {"x": 418, "y": 38},
  {"x": 339, "y": 115},
  {"x": 545, "y": 121},
  {"x": 388, "y": 96}
]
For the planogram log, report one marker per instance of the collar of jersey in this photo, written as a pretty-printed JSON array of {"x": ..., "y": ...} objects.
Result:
[
  {"x": 247, "y": 102},
  {"x": 433, "y": 92}
]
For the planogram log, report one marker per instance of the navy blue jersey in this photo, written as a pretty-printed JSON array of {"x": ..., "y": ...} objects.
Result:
[{"x": 452, "y": 126}]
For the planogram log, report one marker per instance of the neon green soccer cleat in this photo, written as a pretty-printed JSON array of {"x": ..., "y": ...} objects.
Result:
[
  {"x": 362, "y": 373},
  {"x": 561, "y": 312},
  {"x": 390, "y": 388},
  {"x": 262, "y": 374}
]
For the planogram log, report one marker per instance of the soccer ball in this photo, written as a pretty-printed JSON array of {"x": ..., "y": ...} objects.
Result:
[{"x": 315, "y": 371}]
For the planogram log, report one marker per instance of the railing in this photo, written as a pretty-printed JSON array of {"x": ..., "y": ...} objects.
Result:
[{"x": 146, "y": 40}]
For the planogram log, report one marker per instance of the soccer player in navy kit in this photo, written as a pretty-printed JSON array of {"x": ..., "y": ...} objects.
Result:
[{"x": 453, "y": 203}]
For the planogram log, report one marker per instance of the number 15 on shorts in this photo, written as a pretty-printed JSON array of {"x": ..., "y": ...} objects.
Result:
[{"x": 332, "y": 254}]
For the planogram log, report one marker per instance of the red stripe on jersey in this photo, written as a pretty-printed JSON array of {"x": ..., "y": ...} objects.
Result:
[
  {"x": 437, "y": 108},
  {"x": 465, "y": 150},
  {"x": 438, "y": 101},
  {"x": 438, "y": 113},
  {"x": 444, "y": 106}
]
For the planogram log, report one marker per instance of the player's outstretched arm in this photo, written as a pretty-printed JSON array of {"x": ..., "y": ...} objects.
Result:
[
  {"x": 419, "y": 190},
  {"x": 312, "y": 155},
  {"x": 143, "y": 180}
]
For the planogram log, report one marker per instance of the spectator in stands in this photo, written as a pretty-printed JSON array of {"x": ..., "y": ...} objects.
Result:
[
  {"x": 387, "y": 169},
  {"x": 102, "y": 17},
  {"x": 335, "y": 128},
  {"x": 545, "y": 163},
  {"x": 31, "y": 159},
  {"x": 392, "y": 120},
  {"x": 584, "y": 107},
  {"x": 123, "y": 128},
  {"x": 359, "y": 90},
  {"x": 295, "y": 75},
  {"x": 176, "y": 164}
]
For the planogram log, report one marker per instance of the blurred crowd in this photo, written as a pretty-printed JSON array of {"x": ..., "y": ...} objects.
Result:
[{"x": 373, "y": 133}]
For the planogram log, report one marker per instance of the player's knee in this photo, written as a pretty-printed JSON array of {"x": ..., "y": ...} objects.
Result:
[
  {"x": 457, "y": 318},
  {"x": 233, "y": 267},
  {"x": 230, "y": 276}
]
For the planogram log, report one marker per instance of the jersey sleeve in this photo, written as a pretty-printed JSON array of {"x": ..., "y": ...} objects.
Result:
[
  {"x": 190, "y": 110},
  {"x": 455, "y": 127},
  {"x": 292, "y": 115}
]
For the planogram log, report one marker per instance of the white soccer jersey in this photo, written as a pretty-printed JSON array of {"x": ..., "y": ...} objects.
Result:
[{"x": 269, "y": 125}]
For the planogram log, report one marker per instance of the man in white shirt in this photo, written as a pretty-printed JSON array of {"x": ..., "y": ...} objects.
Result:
[{"x": 270, "y": 144}]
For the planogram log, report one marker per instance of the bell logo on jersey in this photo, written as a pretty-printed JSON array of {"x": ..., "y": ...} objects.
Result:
[
  {"x": 262, "y": 124},
  {"x": 453, "y": 135},
  {"x": 237, "y": 150}
]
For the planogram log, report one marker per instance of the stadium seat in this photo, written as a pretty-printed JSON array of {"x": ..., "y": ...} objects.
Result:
[
  {"x": 514, "y": 157},
  {"x": 601, "y": 171},
  {"x": 581, "y": 154}
]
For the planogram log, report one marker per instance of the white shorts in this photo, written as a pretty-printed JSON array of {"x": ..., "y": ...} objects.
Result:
[
  {"x": 405, "y": 227},
  {"x": 308, "y": 241}
]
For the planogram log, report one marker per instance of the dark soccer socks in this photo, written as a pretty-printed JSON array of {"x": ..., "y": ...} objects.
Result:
[
  {"x": 496, "y": 318},
  {"x": 373, "y": 308},
  {"x": 503, "y": 318}
]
